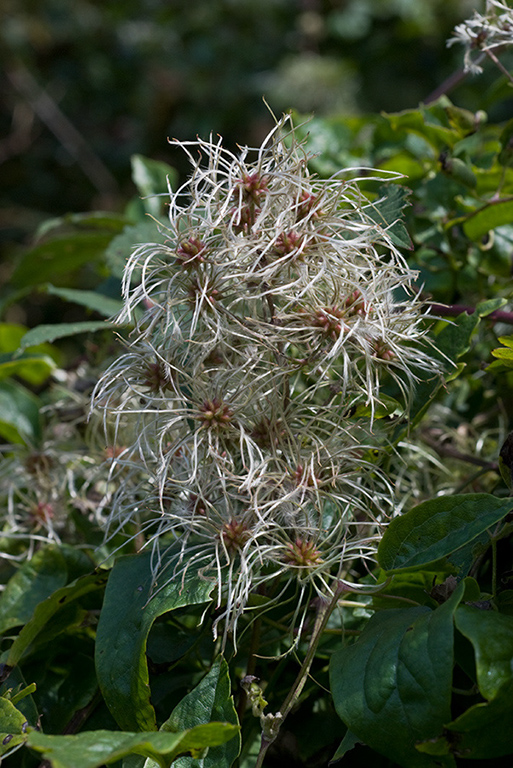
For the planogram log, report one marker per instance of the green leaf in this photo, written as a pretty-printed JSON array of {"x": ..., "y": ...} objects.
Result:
[
  {"x": 19, "y": 414},
  {"x": 12, "y": 333},
  {"x": 60, "y": 330},
  {"x": 457, "y": 170},
  {"x": 93, "y": 220},
  {"x": 506, "y": 138},
  {"x": 59, "y": 256},
  {"x": 423, "y": 123},
  {"x": 33, "y": 368},
  {"x": 35, "y": 365},
  {"x": 485, "y": 308},
  {"x": 453, "y": 340},
  {"x": 388, "y": 212},
  {"x": 491, "y": 634},
  {"x": 128, "y": 612},
  {"x": 392, "y": 688},
  {"x": 463, "y": 559},
  {"x": 484, "y": 730},
  {"x": 447, "y": 346},
  {"x": 209, "y": 701},
  {"x": 93, "y": 749},
  {"x": 507, "y": 341},
  {"x": 504, "y": 354},
  {"x": 25, "y": 704},
  {"x": 45, "y": 610},
  {"x": 348, "y": 742},
  {"x": 487, "y": 218},
  {"x": 412, "y": 585},
  {"x": 436, "y": 528},
  {"x": 95, "y": 301},
  {"x": 12, "y": 722},
  {"x": 146, "y": 231},
  {"x": 151, "y": 178},
  {"x": 37, "y": 579},
  {"x": 387, "y": 406}
]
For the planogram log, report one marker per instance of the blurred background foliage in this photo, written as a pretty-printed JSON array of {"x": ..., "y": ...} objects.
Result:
[
  {"x": 87, "y": 84},
  {"x": 90, "y": 91}
]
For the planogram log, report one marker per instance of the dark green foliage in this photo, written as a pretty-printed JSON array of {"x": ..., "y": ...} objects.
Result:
[{"x": 103, "y": 665}]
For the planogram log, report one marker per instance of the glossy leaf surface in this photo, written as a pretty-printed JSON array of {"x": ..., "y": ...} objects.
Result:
[
  {"x": 392, "y": 688},
  {"x": 128, "y": 613},
  {"x": 436, "y": 528}
]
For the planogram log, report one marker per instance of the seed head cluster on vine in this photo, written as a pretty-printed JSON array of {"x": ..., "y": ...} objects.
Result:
[
  {"x": 266, "y": 328},
  {"x": 484, "y": 32}
]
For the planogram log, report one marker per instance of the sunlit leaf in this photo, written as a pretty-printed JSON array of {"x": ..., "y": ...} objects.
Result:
[
  {"x": 92, "y": 749},
  {"x": 436, "y": 528},
  {"x": 151, "y": 178},
  {"x": 12, "y": 724},
  {"x": 490, "y": 216},
  {"x": 209, "y": 701}
]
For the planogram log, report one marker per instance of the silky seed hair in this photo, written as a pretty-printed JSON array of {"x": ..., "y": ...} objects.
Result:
[{"x": 266, "y": 330}]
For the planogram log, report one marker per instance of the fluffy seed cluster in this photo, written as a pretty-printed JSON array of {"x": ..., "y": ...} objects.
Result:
[
  {"x": 484, "y": 32},
  {"x": 266, "y": 329}
]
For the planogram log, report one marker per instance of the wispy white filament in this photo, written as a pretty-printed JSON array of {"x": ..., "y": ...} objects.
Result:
[{"x": 272, "y": 319}]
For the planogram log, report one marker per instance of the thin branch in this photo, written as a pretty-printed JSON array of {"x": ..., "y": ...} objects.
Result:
[
  {"x": 453, "y": 310},
  {"x": 62, "y": 128},
  {"x": 499, "y": 64},
  {"x": 450, "y": 83},
  {"x": 324, "y": 612},
  {"x": 453, "y": 453}
]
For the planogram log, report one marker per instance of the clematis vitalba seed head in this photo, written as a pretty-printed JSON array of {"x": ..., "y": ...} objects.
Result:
[{"x": 278, "y": 290}]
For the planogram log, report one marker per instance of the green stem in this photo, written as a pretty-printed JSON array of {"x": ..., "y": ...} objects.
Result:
[
  {"x": 323, "y": 614},
  {"x": 250, "y": 669},
  {"x": 494, "y": 567},
  {"x": 499, "y": 64}
]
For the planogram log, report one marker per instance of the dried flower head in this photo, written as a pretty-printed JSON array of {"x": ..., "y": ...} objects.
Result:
[
  {"x": 283, "y": 307},
  {"x": 484, "y": 32}
]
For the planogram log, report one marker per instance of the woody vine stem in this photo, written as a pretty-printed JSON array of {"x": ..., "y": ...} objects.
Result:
[{"x": 271, "y": 724}]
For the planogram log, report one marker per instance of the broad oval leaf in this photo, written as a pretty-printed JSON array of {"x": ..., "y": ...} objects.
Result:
[
  {"x": 209, "y": 701},
  {"x": 491, "y": 634},
  {"x": 392, "y": 688},
  {"x": 436, "y": 528},
  {"x": 128, "y": 612}
]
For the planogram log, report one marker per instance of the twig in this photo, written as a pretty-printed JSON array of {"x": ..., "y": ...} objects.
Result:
[
  {"x": 499, "y": 64},
  {"x": 324, "y": 612},
  {"x": 62, "y": 128},
  {"x": 453, "y": 310},
  {"x": 453, "y": 453},
  {"x": 450, "y": 83}
]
